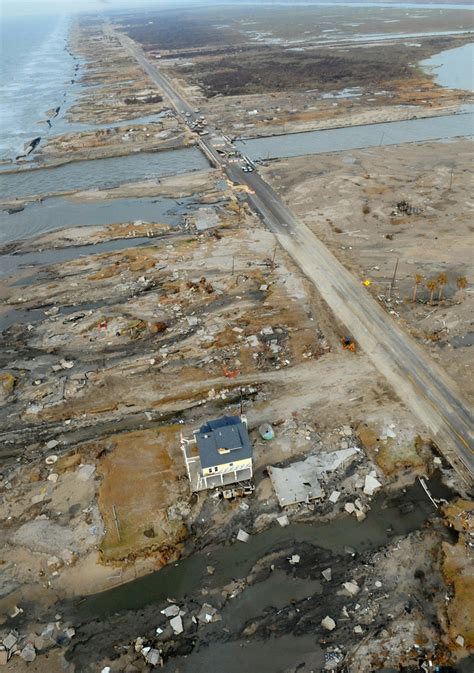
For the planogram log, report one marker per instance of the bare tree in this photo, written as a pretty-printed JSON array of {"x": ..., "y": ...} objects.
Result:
[{"x": 418, "y": 281}]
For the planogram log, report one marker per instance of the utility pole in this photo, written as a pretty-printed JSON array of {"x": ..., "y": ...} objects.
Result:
[
  {"x": 273, "y": 257},
  {"x": 392, "y": 284}
]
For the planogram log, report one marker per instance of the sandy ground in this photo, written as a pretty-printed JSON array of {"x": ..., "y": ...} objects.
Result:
[{"x": 350, "y": 202}]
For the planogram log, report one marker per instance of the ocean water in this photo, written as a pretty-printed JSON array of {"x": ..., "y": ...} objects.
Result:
[{"x": 35, "y": 75}]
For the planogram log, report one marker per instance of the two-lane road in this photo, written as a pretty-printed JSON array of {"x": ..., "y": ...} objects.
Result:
[{"x": 420, "y": 383}]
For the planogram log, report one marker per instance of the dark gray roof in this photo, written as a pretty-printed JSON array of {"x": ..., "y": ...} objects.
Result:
[{"x": 228, "y": 433}]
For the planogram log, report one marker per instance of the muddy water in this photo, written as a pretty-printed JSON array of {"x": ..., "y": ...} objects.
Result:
[
  {"x": 359, "y": 137},
  {"x": 385, "y": 521},
  {"x": 11, "y": 264},
  {"x": 56, "y": 213},
  {"x": 274, "y": 655},
  {"x": 121, "y": 614},
  {"x": 100, "y": 172},
  {"x": 31, "y": 316}
]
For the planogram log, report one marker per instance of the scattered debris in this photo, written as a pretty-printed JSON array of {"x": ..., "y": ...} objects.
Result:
[
  {"x": 153, "y": 657},
  {"x": 352, "y": 588},
  {"x": 299, "y": 481},
  {"x": 327, "y": 574},
  {"x": 176, "y": 624},
  {"x": 9, "y": 641},
  {"x": 283, "y": 520},
  {"x": 328, "y": 623},
  {"x": 371, "y": 484},
  {"x": 171, "y": 610},
  {"x": 207, "y": 614},
  {"x": 348, "y": 344},
  {"x": 266, "y": 431},
  {"x": 28, "y": 653},
  {"x": 242, "y": 536}
]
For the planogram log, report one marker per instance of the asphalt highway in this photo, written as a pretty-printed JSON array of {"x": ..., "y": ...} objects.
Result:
[{"x": 420, "y": 383}]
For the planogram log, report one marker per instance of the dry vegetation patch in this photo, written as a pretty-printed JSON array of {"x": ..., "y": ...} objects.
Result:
[{"x": 140, "y": 480}]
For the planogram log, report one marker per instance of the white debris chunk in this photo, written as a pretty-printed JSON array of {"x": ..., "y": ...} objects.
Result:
[
  {"x": 9, "y": 641},
  {"x": 334, "y": 497},
  {"x": 170, "y": 610},
  {"x": 460, "y": 641},
  {"x": 52, "y": 443},
  {"x": 351, "y": 587},
  {"x": 207, "y": 614},
  {"x": 327, "y": 574},
  {"x": 349, "y": 507},
  {"x": 371, "y": 484},
  {"x": 294, "y": 559},
  {"x": 283, "y": 520},
  {"x": 177, "y": 625},
  {"x": 28, "y": 653},
  {"x": 153, "y": 657},
  {"x": 328, "y": 623},
  {"x": 358, "y": 629},
  {"x": 242, "y": 536}
]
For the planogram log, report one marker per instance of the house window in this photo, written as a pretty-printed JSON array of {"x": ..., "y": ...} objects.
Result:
[
  {"x": 231, "y": 464},
  {"x": 216, "y": 469}
]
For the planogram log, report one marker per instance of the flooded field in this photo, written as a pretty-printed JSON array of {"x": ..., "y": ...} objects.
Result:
[
  {"x": 359, "y": 137},
  {"x": 453, "y": 68},
  {"x": 57, "y": 213},
  {"x": 11, "y": 264},
  {"x": 100, "y": 173}
]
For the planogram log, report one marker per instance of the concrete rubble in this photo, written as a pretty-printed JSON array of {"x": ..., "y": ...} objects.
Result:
[
  {"x": 243, "y": 536},
  {"x": 171, "y": 610},
  {"x": 207, "y": 614},
  {"x": 299, "y": 482},
  {"x": 176, "y": 624},
  {"x": 328, "y": 623},
  {"x": 327, "y": 574},
  {"x": 351, "y": 587},
  {"x": 372, "y": 484}
]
